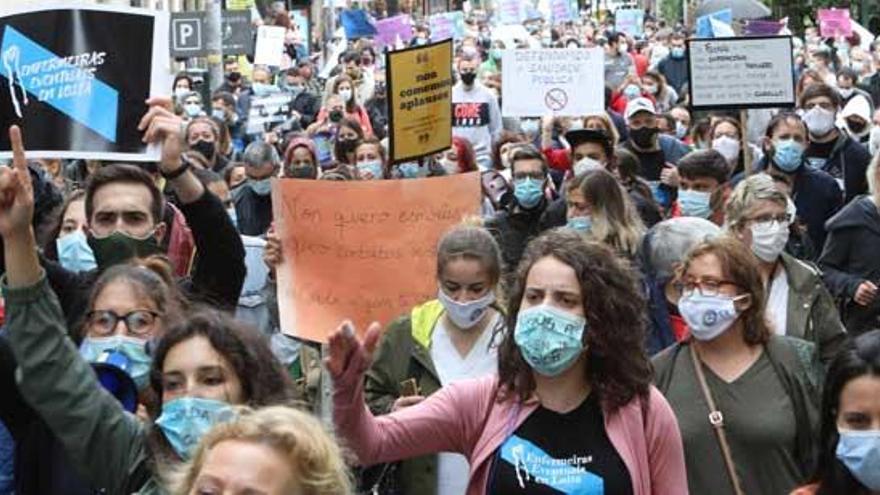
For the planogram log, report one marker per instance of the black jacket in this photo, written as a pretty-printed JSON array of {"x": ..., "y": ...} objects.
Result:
[
  {"x": 513, "y": 229},
  {"x": 817, "y": 197},
  {"x": 217, "y": 278},
  {"x": 851, "y": 159},
  {"x": 254, "y": 212},
  {"x": 872, "y": 86},
  {"x": 307, "y": 105},
  {"x": 850, "y": 258}
]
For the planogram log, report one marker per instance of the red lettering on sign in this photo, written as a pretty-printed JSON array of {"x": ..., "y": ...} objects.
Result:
[{"x": 467, "y": 110}]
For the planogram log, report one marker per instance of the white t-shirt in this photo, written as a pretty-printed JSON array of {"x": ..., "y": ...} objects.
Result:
[
  {"x": 453, "y": 469},
  {"x": 777, "y": 302}
]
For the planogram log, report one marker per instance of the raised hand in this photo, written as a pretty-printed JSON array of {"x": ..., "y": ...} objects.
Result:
[
  {"x": 160, "y": 125},
  {"x": 16, "y": 191},
  {"x": 347, "y": 350}
]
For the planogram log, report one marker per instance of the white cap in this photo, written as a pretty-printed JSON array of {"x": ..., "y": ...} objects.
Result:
[{"x": 639, "y": 105}]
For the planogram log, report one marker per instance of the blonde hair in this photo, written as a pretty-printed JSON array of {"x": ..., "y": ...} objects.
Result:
[
  {"x": 616, "y": 220},
  {"x": 609, "y": 126},
  {"x": 311, "y": 453},
  {"x": 750, "y": 190}
]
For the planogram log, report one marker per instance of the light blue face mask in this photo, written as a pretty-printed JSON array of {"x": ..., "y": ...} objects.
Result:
[
  {"x": 859, "y": 451},
  {"x": 694, "y": 203},
  {"x": 632, "y": 92},
  {"x": 677, "y": 52},
  {"x": 74, "y": 252},
  {"x": 185, "y": 421},
  {"x": 530, "y": 127},
  {"x": 581, "y": 224},
  {"x": 788, "y": 154},
  {"x": 93, "y": 348},
  {"x": 262, "y": 187},
  {"x": 549, "y": 339},
  {"x": 373, "y": 167},
  {"x": 262, "y": 89},
  {"x": 218, "y": 114},
  {"x": 192, "y": 110},
  {"x": 528, "y": 192},
  {"x": 409, "y": 170}
]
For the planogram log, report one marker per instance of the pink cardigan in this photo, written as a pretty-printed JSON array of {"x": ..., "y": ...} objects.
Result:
[{"x": 466, "y": 418}]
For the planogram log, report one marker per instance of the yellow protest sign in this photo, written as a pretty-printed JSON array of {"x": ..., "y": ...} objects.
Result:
[
  {"x": 363, "y": 250},
  {"x": 419, "y": 84}
]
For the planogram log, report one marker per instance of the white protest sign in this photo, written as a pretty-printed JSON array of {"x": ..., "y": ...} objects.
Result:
[
  {"x": 741, "y": 73},
  {"x": 270, "y": 45},
  {"x": 563, "y": 82}
]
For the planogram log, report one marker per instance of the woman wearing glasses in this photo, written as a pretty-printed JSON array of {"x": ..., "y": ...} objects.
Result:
[
  {"x": 746, "y": 399},
  {"x": 798, "y": 304}
]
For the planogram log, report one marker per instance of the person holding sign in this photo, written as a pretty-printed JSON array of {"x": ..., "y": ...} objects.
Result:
[
  {"x": 443, "y": 341},
  {"x": 572, "y": 384},
  {"x": 831, "y": 150}
]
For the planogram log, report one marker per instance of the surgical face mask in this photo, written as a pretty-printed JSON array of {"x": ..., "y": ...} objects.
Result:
[
  {"x": 859, "y": 451},
  {"x": 769, "y": 240},
  {"x": 74, "y": 252},
  {"x": 677, "y": 52},
  {"x": 587, "y": 164},
  {"x": 652, "y": 88},
  {"x": 180, "y": 92},
  {"x": 694, "y": 203},
  {"x": 727, "y": 146},
  {"x": 575, "y": 125},
  {"x": 681, "y": 130},
  {"x": 788, "y": 154},
  {"x": 218, "y": 114},
  {"x": 261, "y": 187},
  {"x": 206, "y": 148},
  {"x": 409, "y": 170},
  {"x": 846, "y": 92},
  {"x": 707, "y": 316},
  {"x": 450, "y": 167},
  {"x": 93, "y": 349},
  {"x": 631, "y": 92},
  {"x": 582, "y": 224},
  {"x": 373, "y": 167},
  {"x": 192, "y": 109},
  {"x": 466, "y": 315},
  {"x": 185, "y": 421},
  {"x": 623, "y": 48},
  {"x": 819, "y": 121},
  {"x": 528, "y": 192},
  {"x": 345, "y": 94},
  {"x": 262, "y": 89},
  {"x": 859, "y": 67},
  {"x": 530, "y": 127},
  {"x": 120, "y": 247},
  {"x": 550, "y": 340}
]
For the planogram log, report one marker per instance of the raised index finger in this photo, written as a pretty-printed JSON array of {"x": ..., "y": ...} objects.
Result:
[{"x": 19, "y": 162}]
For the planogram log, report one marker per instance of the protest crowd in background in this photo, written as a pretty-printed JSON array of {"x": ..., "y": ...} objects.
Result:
[{"x": 517, "y": 248}]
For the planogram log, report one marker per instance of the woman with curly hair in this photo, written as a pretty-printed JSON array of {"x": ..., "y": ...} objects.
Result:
[
  {"x": 571, "y": 409},
  {"x": 274, "y": 451}
]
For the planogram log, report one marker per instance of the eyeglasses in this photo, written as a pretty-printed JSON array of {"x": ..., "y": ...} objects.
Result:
[
  {"x": 138, "y": 322},
  {"x": 783, "y": 218},
  {"x": 706, "y": 287}
]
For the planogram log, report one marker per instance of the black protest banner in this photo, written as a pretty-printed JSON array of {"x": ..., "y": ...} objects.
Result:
[{"x": 77, "y": 79}]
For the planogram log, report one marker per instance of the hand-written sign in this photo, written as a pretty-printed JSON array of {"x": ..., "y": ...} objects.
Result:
[
  {"x": 741, "y": 73},
  {"x": 552, "y": 80},
  {"x": 835, "y": 23},
  {"x": 419, "y": 84},
  {"x": 364, "y": 251}
]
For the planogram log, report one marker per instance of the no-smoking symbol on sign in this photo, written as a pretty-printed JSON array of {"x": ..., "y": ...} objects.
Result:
[{"x": 556, "y": 99}]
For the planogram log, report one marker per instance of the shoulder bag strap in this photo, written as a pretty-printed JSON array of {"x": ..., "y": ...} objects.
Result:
[{"x": 716, "y": 419}]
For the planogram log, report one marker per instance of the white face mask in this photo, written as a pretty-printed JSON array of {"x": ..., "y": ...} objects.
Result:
[
  {"x": 846, "y": 92},
  {"x": 345, "y": 94},
  {"x": 466, "y": 315},
  {"x": 819, "y": 121},
  {"x": 587, "y": 164},
  {"x": 727, "y": 146},
  {"x": 623, "y": 48},
  {"x": 769, "y": 240},
  {"x": 708, "y": 317}
]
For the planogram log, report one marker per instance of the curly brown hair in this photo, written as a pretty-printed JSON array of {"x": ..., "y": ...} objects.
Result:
[
  {"x": 740, "y": 267},
  {"x": 615, "y": 310}
]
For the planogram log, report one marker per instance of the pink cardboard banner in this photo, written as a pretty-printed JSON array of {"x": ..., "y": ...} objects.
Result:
[{"x": 834, "y": 23}]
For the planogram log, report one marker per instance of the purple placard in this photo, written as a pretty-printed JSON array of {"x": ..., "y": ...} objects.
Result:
[
  {"x": 762, "y": 28},
  {"x": 388, "y": 30}
]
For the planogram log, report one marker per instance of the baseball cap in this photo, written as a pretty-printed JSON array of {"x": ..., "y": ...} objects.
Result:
[{"x": 639, "y": 105}]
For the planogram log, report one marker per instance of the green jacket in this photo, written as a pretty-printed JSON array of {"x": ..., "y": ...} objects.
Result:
[
  {"x": 812, "y": 314},
  {"x": 106, "y": 445},
  {"x": 404, "y": 353}
]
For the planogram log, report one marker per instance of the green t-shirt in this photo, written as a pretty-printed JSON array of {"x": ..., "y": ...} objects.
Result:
[{"x": 759, "y": 421}]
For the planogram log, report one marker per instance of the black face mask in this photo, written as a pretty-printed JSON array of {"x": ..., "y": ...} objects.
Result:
[
  {"x": 468, "y": 78},
  {"x": 335, "y": 116},
  {"x": 307, "y": 172},
  {"x": 234, "y": 77},
  {"x": 644, "y": 136},
  {"x": 857, "y": 126},
  {"x": 346, "y": 146},
  {"x": 206, "y": 148}
]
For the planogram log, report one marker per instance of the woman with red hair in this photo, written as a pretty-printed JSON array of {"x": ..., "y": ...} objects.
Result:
[{"x": 458, "y": 159}]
